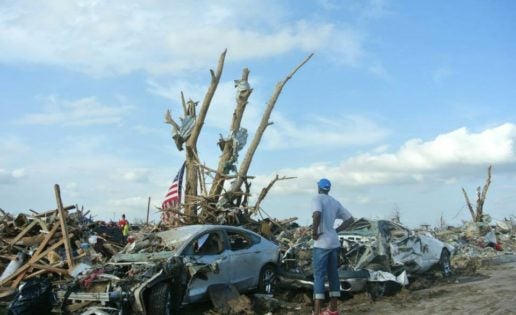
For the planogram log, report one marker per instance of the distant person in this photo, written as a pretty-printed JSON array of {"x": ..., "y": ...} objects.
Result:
[
  {"x": 325, "y": 210},
  {"x": 123, "y": 224}
]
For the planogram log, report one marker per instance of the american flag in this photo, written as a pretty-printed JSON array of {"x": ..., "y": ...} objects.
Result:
[{"x": 173, "y": 197}]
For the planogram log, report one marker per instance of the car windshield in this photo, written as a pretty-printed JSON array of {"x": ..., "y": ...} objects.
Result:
[{"x": 177, "y": 236}]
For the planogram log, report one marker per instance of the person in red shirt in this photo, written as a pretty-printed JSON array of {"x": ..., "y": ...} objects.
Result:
[{"x": 123, "y": 224}]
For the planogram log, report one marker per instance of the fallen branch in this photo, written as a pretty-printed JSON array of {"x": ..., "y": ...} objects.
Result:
[{"x": 265, "y": 190}]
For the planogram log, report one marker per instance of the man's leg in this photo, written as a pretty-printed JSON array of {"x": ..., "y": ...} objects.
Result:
[
  {"x": 333, "y": 278},
  {"x": 319, "y": 266}
]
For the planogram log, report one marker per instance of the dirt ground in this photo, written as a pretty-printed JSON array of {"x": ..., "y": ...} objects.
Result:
[{"x": 490, "y": 291}]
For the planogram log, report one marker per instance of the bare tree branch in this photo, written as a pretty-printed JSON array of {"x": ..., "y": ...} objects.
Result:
[
  {"x": 265, "y": 191},
  {"x": 468, "y": 203},
  {"x": 244, "y": 167}
]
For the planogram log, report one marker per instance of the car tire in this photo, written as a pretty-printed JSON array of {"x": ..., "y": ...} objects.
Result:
[
  {"x": 445, "y": 263},
  {"x": 267, "y": 279},
  {"x": 160, "y": 299}
]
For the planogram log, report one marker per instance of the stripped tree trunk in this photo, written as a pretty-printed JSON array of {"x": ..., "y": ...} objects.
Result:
[
  {"x": 227, "y": 144},
  {"x": 246, "y": 163},
  {"x": 191, "y": 144},
  {"x": 481, "y": 198}
]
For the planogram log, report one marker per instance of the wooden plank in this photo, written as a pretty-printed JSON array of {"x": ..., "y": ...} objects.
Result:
[
  {"x": 46, "y": 239},
  {"x": 23, "y": 232},
  {"x": 32, "y": 260},
  {"x": 42, "y": 223},
  {"x": 50, "y": 268},
  {"x": 34, "y": 274},
  {"x": 39, "y": 272},
  {"x": 62, "y": 217},
  {"x": 37, "y": 252},
  {"x": 50, "y": 212}
]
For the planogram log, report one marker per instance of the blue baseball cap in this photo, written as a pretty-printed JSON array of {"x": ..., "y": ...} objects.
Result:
[{"x": 324, "y": 184}]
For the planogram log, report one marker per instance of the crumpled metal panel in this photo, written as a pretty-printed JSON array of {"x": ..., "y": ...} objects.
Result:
[
  {"x": 408, "y": 254},
  {"x": 382, "y": 276}
]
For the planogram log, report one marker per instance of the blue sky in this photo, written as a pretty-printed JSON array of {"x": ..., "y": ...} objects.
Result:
[{"x": 402, "y": 105}]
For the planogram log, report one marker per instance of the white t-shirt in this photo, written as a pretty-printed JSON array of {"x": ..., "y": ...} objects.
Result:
[{"x": 330, "y": 210}]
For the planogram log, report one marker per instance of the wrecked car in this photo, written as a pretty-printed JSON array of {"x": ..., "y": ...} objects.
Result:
[
  {"x": 376, "y": 255},
  {"x": 161, "y": 271},
  {"x": 388, "y": 246}
]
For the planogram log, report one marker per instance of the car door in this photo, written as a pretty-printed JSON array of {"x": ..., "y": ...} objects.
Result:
[
  {"x": 212, "y": 263},
  {"x": 246, "y": 259}
]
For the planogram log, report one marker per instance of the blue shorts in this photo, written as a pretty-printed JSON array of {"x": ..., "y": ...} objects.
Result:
[{"x": 325, "y": 262}]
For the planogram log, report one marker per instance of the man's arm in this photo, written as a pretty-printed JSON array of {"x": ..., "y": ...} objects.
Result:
[
  {"x": 316, "y": 216},
  {"x": 345, "y": 224}
]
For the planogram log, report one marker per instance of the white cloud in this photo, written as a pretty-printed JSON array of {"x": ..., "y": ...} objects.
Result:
[
  {"x": 81, "y": 112},
  {"x": 321, "y": 131},
  {"x": 139, "y": 175},
  {"x": 10, "y": 177},
  {"x": 285, "y": 133},
  {"x": 442, "y": 159},
  {"x": 19, "y": 173},
  {"x": 12, "y": 149},
  {"x": 165, "y": 37},
  {"x": 130, "y": 202}
]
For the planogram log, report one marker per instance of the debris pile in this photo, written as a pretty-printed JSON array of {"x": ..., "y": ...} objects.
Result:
[
  {"x": 477, "y": 241},
  {"x": 88, "y": 270},
  {"x": 50, "y": 244}
]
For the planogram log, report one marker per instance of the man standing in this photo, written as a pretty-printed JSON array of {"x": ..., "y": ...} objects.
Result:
[
  {"x": 326, "y": 210},
  {"x": 123, "y": 224}
]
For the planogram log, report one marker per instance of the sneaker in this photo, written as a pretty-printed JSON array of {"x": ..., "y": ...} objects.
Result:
[{"x": 328, "y": 312}]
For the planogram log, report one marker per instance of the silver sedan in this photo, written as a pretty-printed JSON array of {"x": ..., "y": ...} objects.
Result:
[{"x": 243, "y": 258}]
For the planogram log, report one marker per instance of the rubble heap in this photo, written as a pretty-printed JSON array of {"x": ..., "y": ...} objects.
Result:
[
  {"x": 476, "y": 242},
  {"x": 50, "y": 244}
]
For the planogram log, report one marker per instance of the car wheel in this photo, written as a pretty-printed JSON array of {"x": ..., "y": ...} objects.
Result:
[
  {"x": 267, "y": 279},
  {"x": 445, "y": 264},
  {"x": 160, "y": 299}
]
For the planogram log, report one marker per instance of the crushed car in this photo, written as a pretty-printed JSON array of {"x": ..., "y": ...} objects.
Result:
[
  {"x": 161, "y": 271},
  {"x": 389, "y": 246},
  {"x": 376, "y": 255}
]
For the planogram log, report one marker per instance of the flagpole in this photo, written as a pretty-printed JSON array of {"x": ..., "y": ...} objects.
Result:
[{"x": 148, "y": 209}]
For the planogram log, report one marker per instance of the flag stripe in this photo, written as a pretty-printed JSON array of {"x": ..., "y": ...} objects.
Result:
[{"x": 173, "y": 196}]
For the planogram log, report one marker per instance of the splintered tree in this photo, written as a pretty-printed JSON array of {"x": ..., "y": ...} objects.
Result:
[
  {"x": 477, "y": 214},
  {"x": 219, "y": 203}
]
